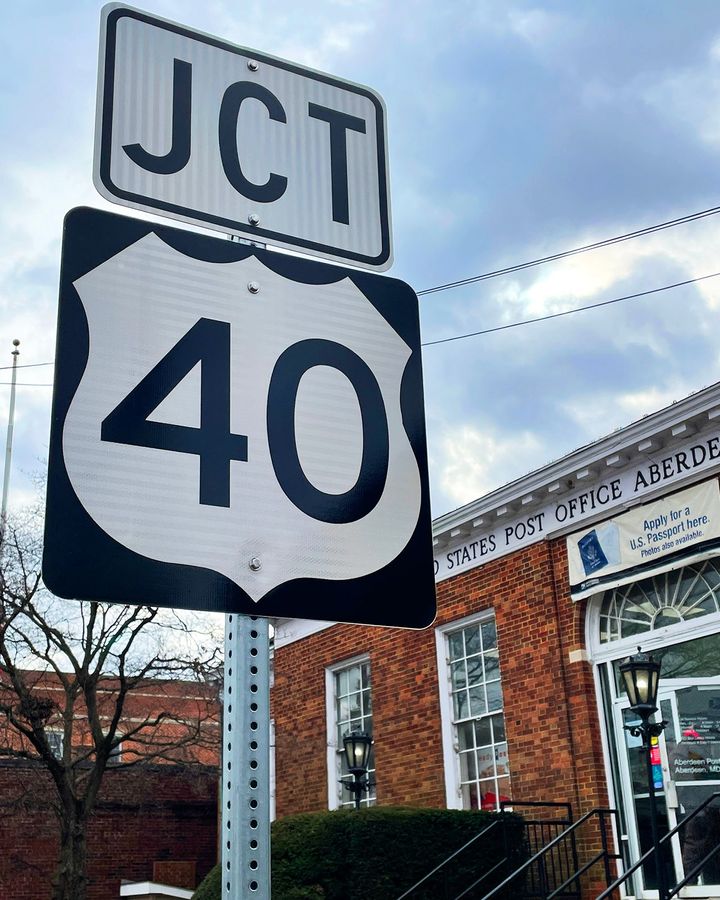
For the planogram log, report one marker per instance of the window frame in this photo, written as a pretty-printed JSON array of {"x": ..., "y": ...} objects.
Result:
[
  {"x": 450, "y": 740},
  {"x": 333, "y": 747}
]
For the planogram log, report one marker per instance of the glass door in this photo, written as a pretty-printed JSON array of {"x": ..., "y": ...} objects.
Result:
[
  {"x": 685, "y": 771},
  {"x": 636, "y": 800},
  {"x": 691, "y": 760}
]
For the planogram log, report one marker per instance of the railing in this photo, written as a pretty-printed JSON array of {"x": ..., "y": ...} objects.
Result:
[
  {"x": 539, "y": 861},
  {"x": 552, "y": 872},
  {"x": 440, "y": 869},
  {"x": 689, "y": 876},
  {"x": 562, "y": 860}
]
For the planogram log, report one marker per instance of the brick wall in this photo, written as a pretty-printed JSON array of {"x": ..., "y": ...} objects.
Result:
[
  {"x": 550, "y": 706},
  {"x": 143, "y": 817}
]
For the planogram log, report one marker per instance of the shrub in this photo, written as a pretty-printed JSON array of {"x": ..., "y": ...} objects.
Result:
[{"x": 377, "y": 853}]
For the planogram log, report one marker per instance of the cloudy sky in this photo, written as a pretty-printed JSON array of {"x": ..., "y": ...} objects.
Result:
[{"x": 516, "y": 130}]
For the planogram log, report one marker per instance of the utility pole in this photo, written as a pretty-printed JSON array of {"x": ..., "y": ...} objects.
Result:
[{"x": 8, "y": 444}]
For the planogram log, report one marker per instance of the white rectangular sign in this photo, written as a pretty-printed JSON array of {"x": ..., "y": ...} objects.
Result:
[
  {"x": 621, "y": 549},
  {"x": 197, "y": 129}
]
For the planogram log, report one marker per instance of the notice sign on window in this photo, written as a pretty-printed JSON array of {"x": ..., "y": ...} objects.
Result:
[{"x": 652, "y": 538}]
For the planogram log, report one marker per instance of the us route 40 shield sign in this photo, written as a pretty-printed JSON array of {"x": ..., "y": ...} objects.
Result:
[{"x": 235, "y": 430}]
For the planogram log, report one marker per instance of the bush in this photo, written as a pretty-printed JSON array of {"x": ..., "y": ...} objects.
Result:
[{"x": 377, "y": 853}]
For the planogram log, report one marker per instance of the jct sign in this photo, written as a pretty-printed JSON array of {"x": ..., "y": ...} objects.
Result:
[
  {"x": 235, "y": 430},
  {"x": 203, "y": 131}
]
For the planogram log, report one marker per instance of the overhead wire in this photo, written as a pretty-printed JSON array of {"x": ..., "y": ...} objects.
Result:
[
  {"x": 563, "y": 254},
  {"x": 518, "y": 267},
  {"x": 567, "y": 312}
]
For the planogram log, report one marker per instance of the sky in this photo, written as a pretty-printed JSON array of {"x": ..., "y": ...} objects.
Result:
[{"x": 515, "y": 129}]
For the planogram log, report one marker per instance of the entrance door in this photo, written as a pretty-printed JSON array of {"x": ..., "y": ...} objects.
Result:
[
  {"x": 691, "y": 763},
  {"x": 686, "y": 770}
]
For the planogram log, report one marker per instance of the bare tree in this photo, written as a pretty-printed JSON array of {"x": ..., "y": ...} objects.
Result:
[{"x": 71, "y": 675}]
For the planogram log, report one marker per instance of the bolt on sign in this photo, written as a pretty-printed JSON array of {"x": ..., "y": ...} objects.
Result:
[
  {"x": 235, "y": 430},
  {"x": 201, "y": 130}
]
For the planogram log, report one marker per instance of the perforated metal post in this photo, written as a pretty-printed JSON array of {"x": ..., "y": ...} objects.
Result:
[{"x": 245, "y": 831}]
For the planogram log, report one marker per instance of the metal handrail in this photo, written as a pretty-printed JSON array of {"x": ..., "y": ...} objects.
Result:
[
  {"x": 663, "y": 840},
  {"x": 600, "y": 811},
  {"x": 452, "y": 856}
]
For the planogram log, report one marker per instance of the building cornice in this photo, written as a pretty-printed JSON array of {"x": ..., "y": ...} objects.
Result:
[{"x": 586, "y": 465}]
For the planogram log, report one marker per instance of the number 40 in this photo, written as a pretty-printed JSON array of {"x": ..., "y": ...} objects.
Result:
[{"x": 208, "y": 342}]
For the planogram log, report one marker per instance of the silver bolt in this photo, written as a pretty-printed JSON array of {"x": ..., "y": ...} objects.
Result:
[
  {"x": 253, "y": 287},
  {"x": 255, "y": 564},
  {"x": 254, "y": 219},
  {"x": 252, "y": 65}
]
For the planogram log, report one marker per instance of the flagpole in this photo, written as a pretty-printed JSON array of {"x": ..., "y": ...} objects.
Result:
[{"x": 8, "y": 444}]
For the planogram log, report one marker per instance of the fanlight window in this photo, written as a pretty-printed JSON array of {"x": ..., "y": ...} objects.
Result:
[{"x": 668, "y": 599}]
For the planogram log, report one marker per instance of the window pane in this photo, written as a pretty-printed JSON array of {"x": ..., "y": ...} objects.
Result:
[
  {"x": 457, "y": 675},
  {"x": 455, "y": 645},
  {"x": 460, "y": 703},
  {"x": 501, "y": 759},
  {"x": 498, "y": 724},
  {"x": 472, "y": 640},
  {"x": 470, "y": 796},
  {"x": 494, "y": 696},
  {"x": 483, "y": 736},
  {"x": 465, "y": 735},
  {"x": 475, "y": 670},
  {"x": 477, "y": 701},
  {"x": 468, "y": 771},
  {"x": 489, "y": 635},
  {"x": 365, "y": 668},
  {"x": 492, "y": 665},
  {"x": 355, "y": 680}
]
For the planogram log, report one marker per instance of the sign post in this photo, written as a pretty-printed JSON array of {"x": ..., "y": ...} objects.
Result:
[{"x": 245, "y": 828}]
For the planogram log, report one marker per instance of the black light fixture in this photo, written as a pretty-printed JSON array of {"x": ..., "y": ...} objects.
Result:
[
  {"x": 357, "y": 746},
  {"x": 641, "y": 674}
]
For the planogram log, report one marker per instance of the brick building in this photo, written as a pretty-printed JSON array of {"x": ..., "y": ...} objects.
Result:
[
  {"x": 155, "y": 819},
  {"x": 544, "y": 586}
]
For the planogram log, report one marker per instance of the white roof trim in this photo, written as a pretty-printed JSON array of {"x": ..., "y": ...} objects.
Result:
[{"x": 696, "y": 411}]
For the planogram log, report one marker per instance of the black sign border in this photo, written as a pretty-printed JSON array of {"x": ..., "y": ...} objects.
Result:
[{"x": 81, "y": 561}]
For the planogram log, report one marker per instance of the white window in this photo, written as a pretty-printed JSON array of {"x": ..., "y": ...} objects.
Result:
[
  {"x": 55, "y": 739},
  {"x": 671, "y": 598},
  {"x": 349, "y": 708},
  {"x": 474, "y": 741},
  {"x": 116, "y": 753}
]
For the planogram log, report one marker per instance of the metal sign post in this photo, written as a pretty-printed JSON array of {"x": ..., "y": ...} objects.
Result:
[{"x": 245, "y": 830}]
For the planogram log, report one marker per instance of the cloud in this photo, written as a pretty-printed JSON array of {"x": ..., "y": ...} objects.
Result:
[
  {"x": 690, "y": 96},
  {"x": 473, "y": 461}
]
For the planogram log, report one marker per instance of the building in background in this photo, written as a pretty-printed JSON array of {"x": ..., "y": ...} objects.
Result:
[
  {"x": 544, "y": 587},
  {"x": 153, "y": 822}
]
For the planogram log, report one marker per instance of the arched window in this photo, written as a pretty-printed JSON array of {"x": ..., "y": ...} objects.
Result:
[{"x": 667, "y": 599}]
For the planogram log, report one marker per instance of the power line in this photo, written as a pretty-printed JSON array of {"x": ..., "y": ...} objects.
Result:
[
  {"x": 607, "y": 242},
  {"x": 27, "y": 365},
  {"x": 568, "y": 312},
  {"x": 27, "y": 383}
]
